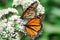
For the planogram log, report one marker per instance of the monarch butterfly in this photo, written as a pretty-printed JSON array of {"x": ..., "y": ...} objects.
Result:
[
  {"x": 30, "y": 11},
  {"x": 34, "y": 26}
]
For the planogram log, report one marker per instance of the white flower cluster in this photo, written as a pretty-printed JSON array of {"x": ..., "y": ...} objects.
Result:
[
  {"x": 6, "y": 35},
  {"x": 27, "y": 3},
  {"x": 10, "y": 25},
  {"x": 19, "y": 22},
  {"x": 6, "y": 11}
]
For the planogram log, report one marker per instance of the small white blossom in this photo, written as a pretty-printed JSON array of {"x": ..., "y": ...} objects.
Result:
[
  {"x": 10, "y": 22},
  {"x": 27, "y": 3},
  {"x": 13, "y": 10},
  {"x": 6, "y": 11},
  {"x": 21, "y": 25},
  {"x": 23, "y": 2},
  {"x": 14, "y": 17},
  {"x": 10, "y": 29},
  {"x": 22, "y": 28},
  {"x": 16, "y": 2},
  {"x": 18, "y": 20},
  {"x": 40, "y": 9},
  {"x": 1, "y": 28},
  {"x": 5, "y": 20},
  {"x": 3, "y": 23}
]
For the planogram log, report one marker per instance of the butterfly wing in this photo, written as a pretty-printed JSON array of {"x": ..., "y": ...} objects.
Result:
[
  {"x": 31, "y": 32},
  {"x": 34, "y": 26},
  {"x": 30, "y": 11},
  {"x": 30, "y": 15},
  {"x": 34, "y": 21}
]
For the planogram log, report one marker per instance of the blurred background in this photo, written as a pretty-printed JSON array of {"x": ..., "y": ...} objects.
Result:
[{"x": 51, "y": 22}]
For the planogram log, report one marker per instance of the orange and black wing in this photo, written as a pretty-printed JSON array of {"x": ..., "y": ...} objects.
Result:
[
  {"x": 30, "y": 11},
  {"x": 34, "y": 26},
  {"x": 33, "y": 30}
]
